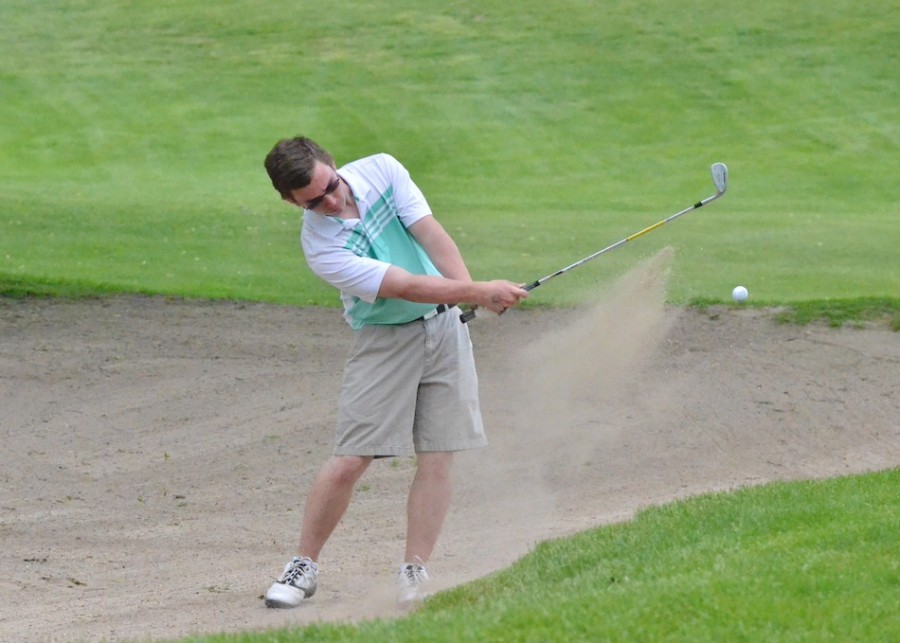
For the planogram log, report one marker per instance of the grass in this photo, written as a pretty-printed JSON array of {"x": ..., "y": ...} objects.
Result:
[
  {"x": 859, "y": 312},
  {"x": 848, "y": 311},
  {"x": 130, "y": 158},
  {"x": 803, "y": 561}
]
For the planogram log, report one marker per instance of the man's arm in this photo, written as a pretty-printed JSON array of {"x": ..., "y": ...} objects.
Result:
[
  {"x": 457, "y": 285},
  {"x": 440, "y": 247}
]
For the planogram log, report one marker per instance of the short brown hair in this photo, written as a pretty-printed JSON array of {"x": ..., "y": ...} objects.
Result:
[{"x": 291, "y": 162}]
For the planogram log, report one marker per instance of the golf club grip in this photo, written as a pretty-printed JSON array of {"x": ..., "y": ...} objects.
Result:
[{"x": 469, "y": 315}]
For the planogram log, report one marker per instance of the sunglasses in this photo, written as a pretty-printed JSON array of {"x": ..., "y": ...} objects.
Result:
[{"x": 329, "y": 189}]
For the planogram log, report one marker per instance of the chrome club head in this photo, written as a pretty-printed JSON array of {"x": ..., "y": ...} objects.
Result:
[{"x": 720, "y": 177}]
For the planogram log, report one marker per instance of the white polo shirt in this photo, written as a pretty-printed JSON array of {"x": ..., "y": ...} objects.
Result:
[{"x": 354, "y": 255}]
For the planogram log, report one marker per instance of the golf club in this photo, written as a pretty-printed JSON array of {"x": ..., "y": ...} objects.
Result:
[{"x": 720, "y": 179}]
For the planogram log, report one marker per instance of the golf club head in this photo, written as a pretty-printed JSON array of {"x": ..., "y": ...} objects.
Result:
[{"x": 720, "y": 177}]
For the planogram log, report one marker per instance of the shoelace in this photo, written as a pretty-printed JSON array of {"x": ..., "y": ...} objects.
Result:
[
  {"x": 301, "y": 568},
  {"x": 414, "y": 573}
]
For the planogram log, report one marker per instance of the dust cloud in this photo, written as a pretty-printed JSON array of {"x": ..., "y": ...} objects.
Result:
[{"x": 542, "y": 417}]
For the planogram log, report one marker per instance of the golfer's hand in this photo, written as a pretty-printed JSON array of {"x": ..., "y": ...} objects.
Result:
[{"x": 500, "y": 295}]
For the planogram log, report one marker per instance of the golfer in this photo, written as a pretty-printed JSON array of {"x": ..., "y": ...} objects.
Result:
[{"x": 409, "y": 385}]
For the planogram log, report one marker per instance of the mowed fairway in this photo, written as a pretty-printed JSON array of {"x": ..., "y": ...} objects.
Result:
[{"x": 133, "y": 135}]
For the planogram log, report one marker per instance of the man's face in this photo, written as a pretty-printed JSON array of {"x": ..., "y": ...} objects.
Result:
[{"x": 325, "y": 193}]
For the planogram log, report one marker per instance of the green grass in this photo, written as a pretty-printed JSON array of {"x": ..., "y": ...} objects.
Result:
[
  {"x": 837, "y": 313},
  {"x": 130, "y": 157},
  {"x": 859, "y": 312},
  {"x": 808, "y": 561}
]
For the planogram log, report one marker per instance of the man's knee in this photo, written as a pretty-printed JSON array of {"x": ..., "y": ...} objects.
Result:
[
  {"x": 434, "y": 465},
  {"x": 346, "y": 469}
]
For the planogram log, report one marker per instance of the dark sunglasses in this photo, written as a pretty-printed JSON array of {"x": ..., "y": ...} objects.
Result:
[{"x": 329, "y": 189}]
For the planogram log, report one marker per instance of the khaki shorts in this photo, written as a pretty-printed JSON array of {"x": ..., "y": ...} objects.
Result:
[{"x": 410, "y": 388}]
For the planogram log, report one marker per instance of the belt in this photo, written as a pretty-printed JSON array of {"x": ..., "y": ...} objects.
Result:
[{"x": 441, "y": 308}]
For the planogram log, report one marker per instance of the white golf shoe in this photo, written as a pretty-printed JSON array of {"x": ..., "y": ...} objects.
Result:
[
  {"x": 297, "y": 582},
  {"x": 411, "y": 582}
]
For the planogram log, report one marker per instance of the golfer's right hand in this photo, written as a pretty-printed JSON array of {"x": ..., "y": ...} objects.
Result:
[{"x": 499, "y": 295}]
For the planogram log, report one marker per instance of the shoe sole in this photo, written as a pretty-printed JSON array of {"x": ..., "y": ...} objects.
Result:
[{"x": 277, "y": 604}]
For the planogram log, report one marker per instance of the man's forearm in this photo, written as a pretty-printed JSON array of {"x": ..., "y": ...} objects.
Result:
[
  {"x": 427, "y": 289},
  {"x": 496, "y": 295}
]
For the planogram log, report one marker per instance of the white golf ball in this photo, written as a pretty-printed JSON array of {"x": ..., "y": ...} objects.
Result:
[{"x": 739, "y": 294}]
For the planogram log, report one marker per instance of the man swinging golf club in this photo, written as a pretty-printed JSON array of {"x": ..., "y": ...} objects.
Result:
[{"x": 409, "y": 384}]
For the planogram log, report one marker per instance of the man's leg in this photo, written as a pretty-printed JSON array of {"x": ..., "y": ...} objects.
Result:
[
  {"x": 427, "y": 505},
  {"x": 326, "y": 503},
  {"x": 328, "y": 500}
]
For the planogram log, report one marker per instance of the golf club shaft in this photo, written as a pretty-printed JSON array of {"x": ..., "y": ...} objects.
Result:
[
  {"x": 621, "y": 242},
  {"x": 720, "y": 178}
]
